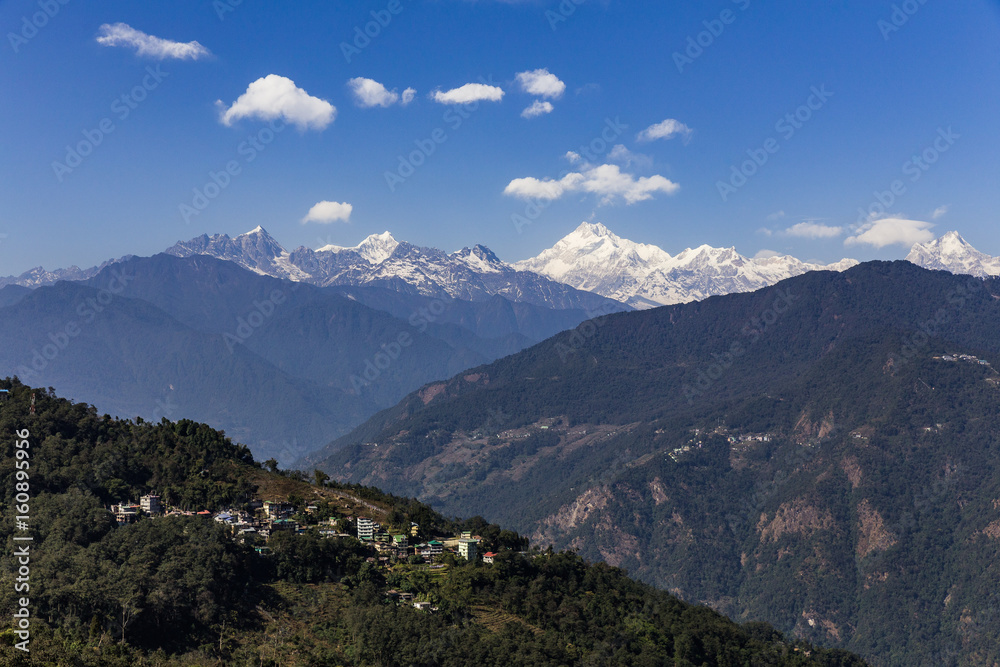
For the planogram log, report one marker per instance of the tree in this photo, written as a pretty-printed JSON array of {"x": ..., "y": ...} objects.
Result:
[{"x": 320, "y": 477}]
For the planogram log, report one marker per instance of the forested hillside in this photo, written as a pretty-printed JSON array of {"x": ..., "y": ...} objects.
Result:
[
  {"x": 800, "y": 455},
  {"x": 182, "y": 590}
]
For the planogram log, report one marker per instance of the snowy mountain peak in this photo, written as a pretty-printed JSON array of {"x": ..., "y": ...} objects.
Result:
[
  {"x": 953, "y": 253},
  {"x": 375, "y": 248},
  {"x": 378, "y": 247},
  {"x": 594, "y": 229},
  {"x": 593, "y": 258},
  {"x": 481, "y": 259}
]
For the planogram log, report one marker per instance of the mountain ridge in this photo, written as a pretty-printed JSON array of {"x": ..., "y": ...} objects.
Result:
[
  {"x": 594, "y": 258},
  {"x": 755, "y": 452},
  {"x": 591, "y": 268}
]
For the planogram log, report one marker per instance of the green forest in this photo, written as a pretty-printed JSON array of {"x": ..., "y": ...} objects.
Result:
[
  {"x": 179, "y": 590},
  {"x": 868, "y": 520}
]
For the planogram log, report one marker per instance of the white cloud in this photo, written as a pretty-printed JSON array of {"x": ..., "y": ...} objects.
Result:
[
  {"x": 470, "y": 92},
  {"x": 542, "y": 83},
  {"x": 626, "y": 157},
  {"x": 767, "y": 254},
  {"x": 607, "y": 181},
  {"x": 326, "y": 212},
  {"x": 813, "y": 230},
  {"x": 369, "y": 93},
  {"x": 668, "y": 129},
  {"x": 122, "y": 34},
  {"x": 892, "y": 231},
  {"x": 539, "y": 108},
  {"x": 777, "y": 215},
  {"x": 573, "y": 157},
  {"x": 408, "y": 96},
  {"x": 278, "y": 97},
  {"x": 939, "y": 212},
  {"x": 765, "y": 231}
]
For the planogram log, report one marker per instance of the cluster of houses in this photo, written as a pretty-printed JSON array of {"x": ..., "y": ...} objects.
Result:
[
  {"x": 968, "y": 358},
  {"x": 752, "y": 437},
  {"x": 268, "y": 517},
  {"x": 398, "y": 545},
  {"x": 256, "y": 525},
  {"x": 148, "y": 505}
]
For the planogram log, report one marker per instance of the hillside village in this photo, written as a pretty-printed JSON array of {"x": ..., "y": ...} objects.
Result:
[{"x": 260, "y": 520}]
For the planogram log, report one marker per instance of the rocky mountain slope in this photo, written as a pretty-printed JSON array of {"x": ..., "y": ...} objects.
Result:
[
  {"x": 799, "y": 454},
  {"x": 471, "y": 274},
  {"x": 163, "y": 336},
  {"x": 953, "y": 253}
]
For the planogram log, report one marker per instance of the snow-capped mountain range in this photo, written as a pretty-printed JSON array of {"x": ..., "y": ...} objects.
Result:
[
  {"x": 39, "y": 277},
  {"x": 645, "y": 276},
  {"x": 471, "y": 274},
  {"x": 953, "y": 253},
  {"x": 589, "y": 269}
]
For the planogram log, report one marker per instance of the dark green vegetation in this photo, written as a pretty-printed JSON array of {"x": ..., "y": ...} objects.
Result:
[
  {"x": 868, "y": 519},
  {"x": 281, "y": 366},
  {"x": 180, "y": 591}
]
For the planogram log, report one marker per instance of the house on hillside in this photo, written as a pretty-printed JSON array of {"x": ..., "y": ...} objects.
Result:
[
  {"x": 277, "y": 509},
  {"x": 467, "y": 549},
  {"x": 126, "y": 512},
  {"x": 488, "y": 557},
  {"x": 367, "y": 529},
  {"x": 283, "y": 525},
  {"x": 431, "y": 550},
  {"x": 150, "y": 504}
]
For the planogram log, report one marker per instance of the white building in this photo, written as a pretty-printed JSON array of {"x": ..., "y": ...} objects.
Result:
[
  {"x": 367, "y": 529},
  {"x": 467, "y": 549},
  {"x": 151, "y": 504}
]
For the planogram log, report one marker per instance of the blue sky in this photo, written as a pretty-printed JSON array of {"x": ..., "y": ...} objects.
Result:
[{"x": 885, "y": 82}]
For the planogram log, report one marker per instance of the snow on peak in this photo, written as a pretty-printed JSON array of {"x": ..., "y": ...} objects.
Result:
[
  {"x": 953, "y": 253},
  {"x": 376, "y": 248},
  {"x": 595, "y": 259},
  {"x": 481, "y": 259}
]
